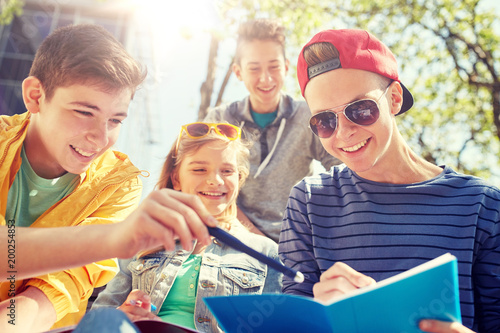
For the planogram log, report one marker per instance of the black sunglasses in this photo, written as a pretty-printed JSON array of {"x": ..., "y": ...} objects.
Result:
[{"x": 362, "y": 112}]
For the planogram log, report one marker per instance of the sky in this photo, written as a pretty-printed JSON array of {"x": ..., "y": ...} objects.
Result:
[
  {"x": 176, "y": 70},
  {"x": 176, "y": 55}
]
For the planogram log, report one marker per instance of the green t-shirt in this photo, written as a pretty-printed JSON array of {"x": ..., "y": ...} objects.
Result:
[
  {"x": 31, "y": 195},
  {"x": 263, "y": 119},
  {"x": 178, "y": 307}
]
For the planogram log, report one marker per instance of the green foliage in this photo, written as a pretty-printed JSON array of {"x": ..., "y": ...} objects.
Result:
[
  {"x": 449, "y": 57},
  {"x": 10, "y": 9},
  {"x": 301, "y": 18},
  {"x": 449, "y": 48}
]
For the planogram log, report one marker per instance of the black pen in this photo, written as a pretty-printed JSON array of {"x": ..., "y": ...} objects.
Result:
[{"x": 235, "y": 243}]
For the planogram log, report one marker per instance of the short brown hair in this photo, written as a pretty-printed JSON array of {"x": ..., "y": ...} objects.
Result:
[
  {"x": 86, "y": 54},
  {"x": 260, "y": 29},
  {"x": 320, "y": 52}
]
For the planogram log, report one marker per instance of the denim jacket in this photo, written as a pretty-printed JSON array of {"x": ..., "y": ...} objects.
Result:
[{"x": 223, "y": 271}]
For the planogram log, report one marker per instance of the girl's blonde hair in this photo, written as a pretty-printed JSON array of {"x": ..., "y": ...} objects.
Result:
[{"x": 188, "y": 146}]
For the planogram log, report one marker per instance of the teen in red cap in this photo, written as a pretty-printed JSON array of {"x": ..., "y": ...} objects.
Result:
[{"x": 387, "y": 209}]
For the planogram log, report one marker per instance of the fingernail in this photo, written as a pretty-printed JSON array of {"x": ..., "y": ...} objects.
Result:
[
  {"x": 134, "y": 302},
  {"x": 365, "y": 281},
  {"x": 187, "y": 246},
  {"x": 424, "y": 324},
  {"x": 212, "y": 221}
]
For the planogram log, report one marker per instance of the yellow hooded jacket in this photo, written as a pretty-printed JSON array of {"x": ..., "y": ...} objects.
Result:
[{"x": 108, "y": 192}]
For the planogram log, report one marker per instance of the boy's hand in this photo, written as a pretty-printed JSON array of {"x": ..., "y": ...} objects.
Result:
[
  {"x": 138, "y": 306},
  {"x": 436, "y": 326},
  {"x": 162, "y": 217},
  {"x": 341, "y": 279},
  {"x": 338, "y": 280}
]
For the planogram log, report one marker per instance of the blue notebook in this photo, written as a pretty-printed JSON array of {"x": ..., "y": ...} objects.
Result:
[{"x": 395, "y": 305}]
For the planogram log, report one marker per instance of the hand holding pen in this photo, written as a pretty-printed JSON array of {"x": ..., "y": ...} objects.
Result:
[
  {"x": 138, "y": 305},
  {"x": 236, "y": 244}
]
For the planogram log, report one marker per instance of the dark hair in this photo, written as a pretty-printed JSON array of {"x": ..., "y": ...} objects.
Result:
[
  {"x": 86, "y": 54},
  {"x": 260, "y": 29}
]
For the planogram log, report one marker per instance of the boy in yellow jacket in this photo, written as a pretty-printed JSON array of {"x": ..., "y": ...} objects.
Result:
[{"x": 57, "y": 168}]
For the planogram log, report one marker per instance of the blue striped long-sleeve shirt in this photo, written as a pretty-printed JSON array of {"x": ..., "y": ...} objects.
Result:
[{"x": 383, "y": 229}]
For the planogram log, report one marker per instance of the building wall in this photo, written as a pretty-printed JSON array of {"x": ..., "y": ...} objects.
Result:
[{"x": 20, "y": 39}]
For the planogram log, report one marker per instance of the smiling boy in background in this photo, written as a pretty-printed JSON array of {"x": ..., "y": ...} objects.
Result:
[{"x": 283, "y": 146}]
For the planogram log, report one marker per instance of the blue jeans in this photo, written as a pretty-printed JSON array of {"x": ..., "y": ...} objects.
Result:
[{"x": 107, "y": 320}]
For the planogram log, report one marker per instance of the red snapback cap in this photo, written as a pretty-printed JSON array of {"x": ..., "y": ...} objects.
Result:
[{"x": 358, "y": 49}]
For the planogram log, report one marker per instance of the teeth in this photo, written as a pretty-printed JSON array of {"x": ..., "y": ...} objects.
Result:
[
  {"x": 213, "y": 194},
  {"x": 83, "y": 152},
  {"x": 267, "y": 89},
  {"x": 356, "y": 147}
]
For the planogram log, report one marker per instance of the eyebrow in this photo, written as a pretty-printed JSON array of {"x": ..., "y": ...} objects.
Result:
[
  {"x": 86, "y": 105},
  {"x": 96, "y": 108},
  {"x": 205, "y": 163},
  {"x": 197, "y": 162},
  {"x": 258, "y": 63}
]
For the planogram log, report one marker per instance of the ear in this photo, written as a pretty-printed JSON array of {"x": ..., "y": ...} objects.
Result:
[
  {"x": 395, "y": 95},
  {"x": 175, "y": 181},
  {"x": 237, "y": 71},
  {"x": 32, "y": 93},
  {"x": 287, "y": 65}
]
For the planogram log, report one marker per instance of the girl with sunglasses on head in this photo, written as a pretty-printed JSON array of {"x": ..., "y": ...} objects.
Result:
[
  {"x": 210, "y": 162},
  {"x": 387, "y": 209}
]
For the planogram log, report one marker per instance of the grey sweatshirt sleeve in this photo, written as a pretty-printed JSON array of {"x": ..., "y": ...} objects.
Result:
[{"x": 117, "y": 289}]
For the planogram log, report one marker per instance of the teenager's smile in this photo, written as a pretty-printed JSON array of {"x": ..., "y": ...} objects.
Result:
[
  {"x": 262, "y": 68},
  {"x": 211, "y": 174},
  {"x": 84, "y": 153},
  {"x": 213, "y": 195},
  {"x": 356, "y": 147},
  {"x": 267, "y": 90},
  {"x": 77, "y": 125}
]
